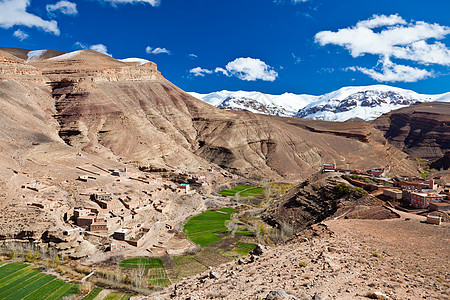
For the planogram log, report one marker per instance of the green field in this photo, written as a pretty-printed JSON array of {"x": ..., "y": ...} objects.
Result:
[
  {"x": 142, "y": 262},
  {"x": 203, "y": 229},
  {"x": 245, "y": 191},
  {"x": 117, "y": 296},
  {"x": 188, "y": 266},
  {"x": 158, "y": 277},
  {"x": 92, "y": 294},
  {"x": 22, "y": 281},
  {"x": 235, "y": 190}
]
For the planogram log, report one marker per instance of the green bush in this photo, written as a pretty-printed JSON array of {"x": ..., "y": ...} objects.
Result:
[
  {"x": 342, "y": 189},
  {"x": 302, "y": 264}
]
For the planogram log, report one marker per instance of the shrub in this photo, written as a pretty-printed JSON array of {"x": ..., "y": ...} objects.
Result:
[
  {"x": 374, "y": 254},
  {"x": 302, "y": 264},
  {"x": 342, "y": 188}
]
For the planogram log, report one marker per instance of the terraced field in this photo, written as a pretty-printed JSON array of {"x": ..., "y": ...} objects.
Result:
[
  {"x": 245, "y": 191},
  {"x": 22, "y": 281},
  {"x": 203, "y": 229},
  {"x": 158, "y": 277},
  {"x": 142, "y": 262}
]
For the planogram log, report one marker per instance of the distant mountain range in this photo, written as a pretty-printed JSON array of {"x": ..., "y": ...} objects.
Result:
[{"x": 363, "y": 102}]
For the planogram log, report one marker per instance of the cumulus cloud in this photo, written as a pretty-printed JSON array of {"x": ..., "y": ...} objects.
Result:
[
  {"x": 391, "y": 72},
  {"x": 200, "y": 72},
  {"x": 97, "y": 47},
  {"x": 192, "y": 56},
  {"x": 158, "y": 50},
  {"x": 244, "y": 68},
  {"x": 63, "y": 7},
  {"x": 100, "y": 48},
  {"x": 115, "y": 2},
  {"x": 221, "y": 70},
  {"x": 251, "y": 69},
  {"x": 13, "y": 12},
  {"x": 20, "y": 34},
  {"x": 391, "y": 37}
]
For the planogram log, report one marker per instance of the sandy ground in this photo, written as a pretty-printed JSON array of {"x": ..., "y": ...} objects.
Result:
[{"x": 352, "y": 258}]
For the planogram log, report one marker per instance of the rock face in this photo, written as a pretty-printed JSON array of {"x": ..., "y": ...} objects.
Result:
[
  {"x": 129, "y": 113},
  {"x": 423, "y": 131},
  {"x": 308, "y": 203}
]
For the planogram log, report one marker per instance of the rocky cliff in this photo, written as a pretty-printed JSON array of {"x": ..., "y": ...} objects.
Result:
[{"x": 422, "y": 131}]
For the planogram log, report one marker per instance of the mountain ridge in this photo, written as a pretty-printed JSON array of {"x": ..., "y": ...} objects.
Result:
[{"x": 364, "y": 102}]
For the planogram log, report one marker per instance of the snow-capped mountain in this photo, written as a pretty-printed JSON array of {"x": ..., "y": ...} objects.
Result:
[
  {"x": 286, "y": 105},
  {"x": 365, "y": 102}
]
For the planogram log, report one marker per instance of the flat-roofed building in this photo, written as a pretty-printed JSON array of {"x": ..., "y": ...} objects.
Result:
[
  {"x": 393, "y": 194},
  {"x": 99, "y": 225},
  {"x": 122, "y": 234},
  {"x": 85, "y": 221},
  {"x": 443, "y": 206},
  {"x": 423, "y": 200}
]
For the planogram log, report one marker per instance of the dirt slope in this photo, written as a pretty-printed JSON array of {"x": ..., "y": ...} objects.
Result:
[{"x": 350, "y": 259}]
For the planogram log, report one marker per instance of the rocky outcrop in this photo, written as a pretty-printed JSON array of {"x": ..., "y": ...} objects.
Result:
[
  {"x": 308, "y": 203},
  {"x": 422, "y": 131}
]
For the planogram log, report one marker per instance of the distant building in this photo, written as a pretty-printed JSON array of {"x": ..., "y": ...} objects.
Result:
[
  {"x": 393, "y": 194},
  {"x": 85, "y": 221},
  {"x": 81, "y": 212},
  {"x": 184, "y": 187},
  {"x": 328, "y": 168},
  {"x": 102, "y": 196},
  {"x": 419, "y": 184},
  {"x": 120, "y": 173},
  {"x": 422, "y": 200},
  {"x": 436, "y": 220},
  {"x": 99, "y": 225},
  {"x": 443, "y": 206},
  {"x": 376, "y": 173},
  {"x": 122, "y": 234}
]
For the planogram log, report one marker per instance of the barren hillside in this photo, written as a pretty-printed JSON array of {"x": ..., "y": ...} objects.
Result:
[{"x": 130, "y": 113}]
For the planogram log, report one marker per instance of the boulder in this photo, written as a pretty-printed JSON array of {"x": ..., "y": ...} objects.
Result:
[{"x": 280, "y": 295}]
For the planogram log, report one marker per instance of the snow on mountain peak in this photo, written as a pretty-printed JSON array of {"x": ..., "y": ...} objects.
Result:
[
  {"x": 137, "y": 61},
  {"x": 35, "y": 54},
  {"x": 364, "y": 102}
]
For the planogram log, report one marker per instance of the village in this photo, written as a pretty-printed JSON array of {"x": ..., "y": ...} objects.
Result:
[{"x": 414, "y": 195}]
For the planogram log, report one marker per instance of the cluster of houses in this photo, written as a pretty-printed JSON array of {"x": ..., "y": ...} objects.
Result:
[
  {"x": 420, "y": 194},
  {"x": 415, "y": 193},
  {"x": 332, "y": 168},
  {"x": 111, "y": 213}
]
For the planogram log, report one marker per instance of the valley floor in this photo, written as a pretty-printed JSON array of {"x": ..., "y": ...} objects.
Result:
[{"x": 341, "y": 259}]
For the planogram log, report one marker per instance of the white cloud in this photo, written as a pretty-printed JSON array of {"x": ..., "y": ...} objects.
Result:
[
  {"x": 97, "y": 47},
  {"x": 381, "y": 20},
  {"x": 64, "y": 7},
  {"x": 391, "y": 72},
  {"x": 192, "y": 56},
  {"x": 151, "y": 2},
  {"x": 13, "y": 12},
  {"x": 200, "y": 72},
  {"x": 100, "y": 48},
  {"x": 158, "y": 50},
  {"x": 251, "y": 69},
  {"x": 221, "y": 70},
  {"x": 20, "y": 34},
  {"x": 393, "y": 38},
  {"x": 244, "y": 68}
]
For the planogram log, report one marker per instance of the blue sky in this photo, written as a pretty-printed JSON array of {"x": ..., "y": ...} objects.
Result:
[{"x": 272, "y": 46}]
